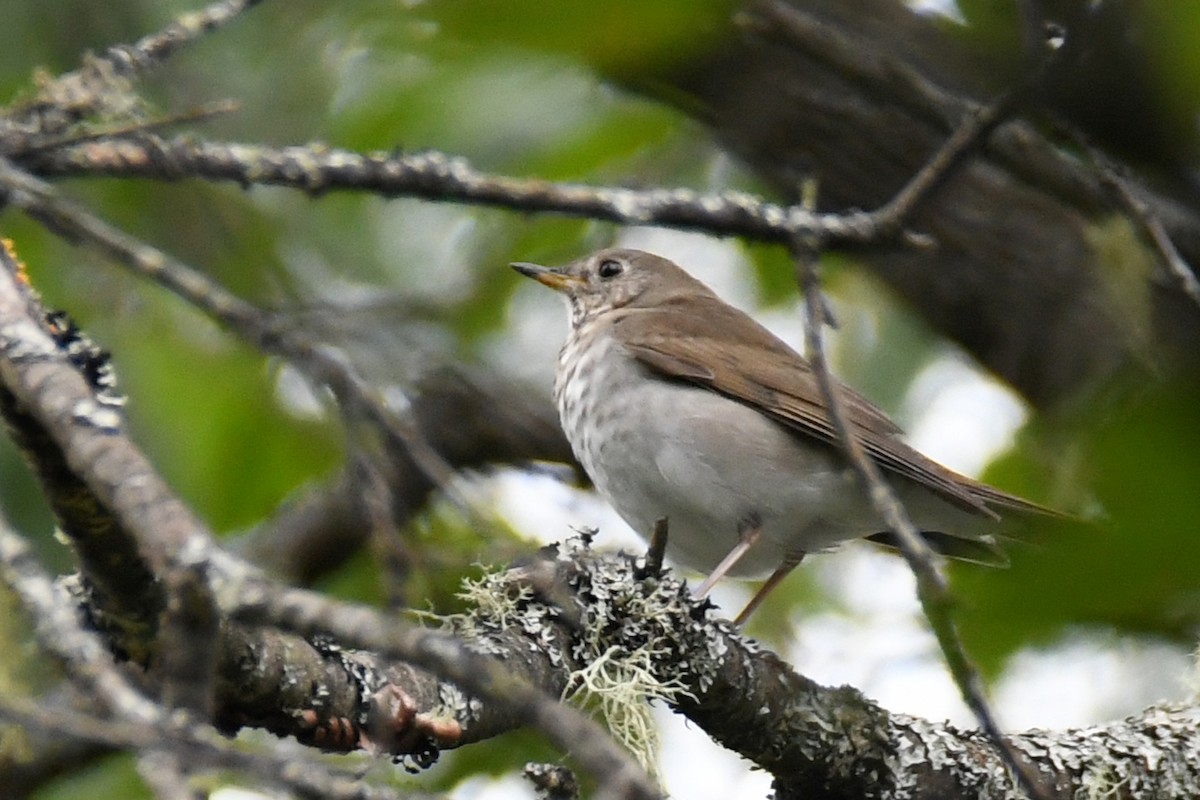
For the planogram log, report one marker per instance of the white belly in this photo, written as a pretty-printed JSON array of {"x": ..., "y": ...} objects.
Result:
[{"x": 707, "y": 463}]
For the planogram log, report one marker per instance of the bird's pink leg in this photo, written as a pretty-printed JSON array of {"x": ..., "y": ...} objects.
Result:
[
  {"x": 781, "y": 572},
  {"x": 746, "y": 539}
]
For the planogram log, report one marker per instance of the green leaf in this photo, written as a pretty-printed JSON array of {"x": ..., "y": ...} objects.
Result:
[{"x": 1135, "y": 569}]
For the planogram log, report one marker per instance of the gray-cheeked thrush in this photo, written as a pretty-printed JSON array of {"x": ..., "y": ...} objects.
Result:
[{"x": 681, "y": 406}]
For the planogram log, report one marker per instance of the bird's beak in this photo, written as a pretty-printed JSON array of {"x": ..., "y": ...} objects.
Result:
[{"x": 553, "y": 277}]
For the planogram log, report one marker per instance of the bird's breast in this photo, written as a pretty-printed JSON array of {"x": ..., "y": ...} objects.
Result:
[
  {"x": 591, "y": 387},
  {"x": 661, "y": 448}
]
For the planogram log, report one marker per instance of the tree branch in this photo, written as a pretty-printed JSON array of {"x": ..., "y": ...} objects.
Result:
[
  {"x": 49, "y": 388},
  {"x": 433, "y": 175}
]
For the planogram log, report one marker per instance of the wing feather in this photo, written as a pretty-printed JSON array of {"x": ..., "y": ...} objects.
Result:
[{"x": 724, "y": 349}]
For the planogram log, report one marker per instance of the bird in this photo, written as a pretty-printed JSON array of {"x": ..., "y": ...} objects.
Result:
[{"x": 681, "y": 406}]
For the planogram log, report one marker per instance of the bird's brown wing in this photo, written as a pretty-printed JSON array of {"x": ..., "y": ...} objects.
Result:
[{"x": 715, "y": 345}]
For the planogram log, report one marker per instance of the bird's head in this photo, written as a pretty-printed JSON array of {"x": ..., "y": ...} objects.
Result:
[{"x": 615, "y": 278}]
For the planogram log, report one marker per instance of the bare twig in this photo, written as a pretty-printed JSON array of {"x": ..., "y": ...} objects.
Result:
[
  {"x": 271, "y": 334},
  {"x": 436, "y": 176},
  {"x": 100, "y": 88},
  {"x": 150, "y": 51},
  {"x": 966, "y": 138},
  {"x": 203, "y": 112},
  {"x": 972, "y": 131},
  {"x": 1115, "y": 180},
  {"x": 932, "y": 590},
  {"x": 931, "y": 585}
]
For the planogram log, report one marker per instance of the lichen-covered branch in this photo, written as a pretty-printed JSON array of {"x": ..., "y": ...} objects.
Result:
[
  {"x": 127, "y": 718},
  {"x": 91, "y": 439},
  {"x": 822, "y": 742},
  {"x": 120, "y": 516},
  {"x": 128, "y": 598},
  {"x": 433, "y": 175}
]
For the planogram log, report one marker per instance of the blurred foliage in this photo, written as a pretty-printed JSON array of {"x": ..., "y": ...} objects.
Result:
[
  {"x": 22, "y": 673},
  {"x": 879, "y": 344},
  {"x": 112, "y": 776},
  {"x": 514, "y": 87},
  {"x": 630, "y": 37},
  {"x": 1133, "y": 565}
]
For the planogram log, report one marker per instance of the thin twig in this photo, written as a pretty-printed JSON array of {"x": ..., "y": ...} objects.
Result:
[
  {"x": 1114, "y": 179},
  {"x": 77, "y": 137},
  {"x": 434, "y": 175},
  {"x": 932, "y": 590},
  {"x": 969, "y": 134},
  {"x": 150, "y": 51},
  {"x": 101, "y": 87},
  {"x": 936, "y": 171},
  {"x": 271, "y": 334}
]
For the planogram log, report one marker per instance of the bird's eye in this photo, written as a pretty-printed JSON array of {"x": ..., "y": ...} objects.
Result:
[{"x": 609, "y": 269}]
